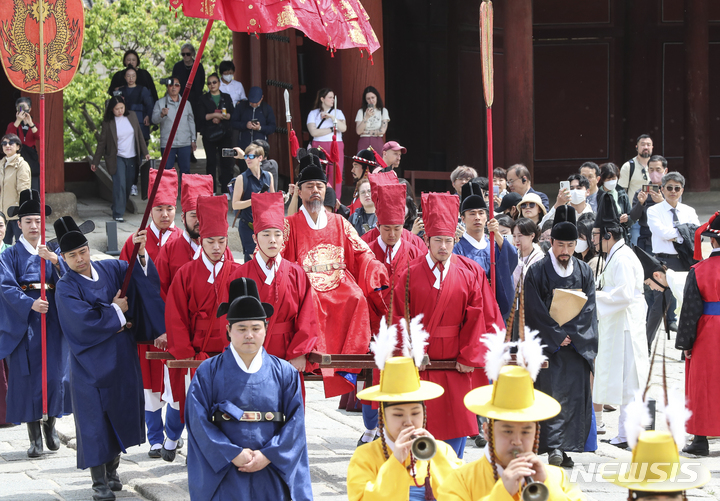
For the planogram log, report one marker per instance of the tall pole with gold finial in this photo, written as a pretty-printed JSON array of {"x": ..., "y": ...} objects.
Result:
[
  {"x": 486, "y": 50},
  {"x": 41, "y": 98}
]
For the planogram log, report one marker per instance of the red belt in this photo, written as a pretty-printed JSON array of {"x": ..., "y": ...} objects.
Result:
[
  {"x": 446, "y": 331},
  {"x": 283, "y": 327}
]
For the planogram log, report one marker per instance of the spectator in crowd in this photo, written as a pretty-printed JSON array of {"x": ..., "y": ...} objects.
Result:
[
  {"x": 576, "y": 196},
  {"x": 182, "y": 70},
  {"x": 531, "y": 207},
  {"x": 592, "y": 172},
  {"x": 362, "y": 164},
  {"x": 144, "y": 78},
  {"x": 545, "y": 239},
  {"x": 268, "y": 164},
  {"x": 371, "y": 120},
  {"x": 184, "y": 143},
  {"x": 518, "y": 180},
  {"x": 392, "y": 152},
  {"x": 138, "y": 100},
  {"x": 633, "y": 174},
  {"x": 364, "y": 218},
  {"x": 608, "y": 184},
  {"x": 461, "y": 175},
  {"x": 643, "y": 200},
  {"x": 508, "y": 205},
  {"x": 585, "y": 249},
  {"x": 254, "y": 118},
  {"x": 25, "y": 128},
  {"x": 505, "y": 226},
  {"x": 15, "y": 178},
  {"x": 121, "y": 143},
  {"x": 229, "y": 85},
  {"x": 499, "y": 180},
  {"x": 413, "y": 223},
  {"x": 664, "y": 218},
  {"x": 526, "y": 235},
  {"x": 320, "y": 123},
  {"x": 3, "y": 246},
  {"x": 253, "y": 180},
  {"x": 214, "y": 111}
]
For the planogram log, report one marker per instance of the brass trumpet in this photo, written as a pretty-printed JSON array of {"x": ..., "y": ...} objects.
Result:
[
  {"x": 533, "y": 491},
  {"x": 424, "y": 448}
]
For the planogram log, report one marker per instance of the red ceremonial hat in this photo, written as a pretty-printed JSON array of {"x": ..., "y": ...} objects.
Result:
[
  {"x": 381, "y": 178},
  {"x": 440, "y": 214},
  {"x": 194, "y": 186},
  {"x": 212, "y": 216},
  {"x": 268, "y": 211},
  {"x": 390, "y": 203},
  {"x": 167, "y": 192}
]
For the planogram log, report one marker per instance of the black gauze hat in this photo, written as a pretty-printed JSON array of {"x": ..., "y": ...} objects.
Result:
[
  {"x": 607, "y": 217},
  {"x": 29, "y": 205},
  {"x": 244, "y": 302},
  {"x": 649, "y": 263},
  {"x": 69, "y": 236},
  {"x": 564, "y": 228},
  {"x": 472, "y": 197}
]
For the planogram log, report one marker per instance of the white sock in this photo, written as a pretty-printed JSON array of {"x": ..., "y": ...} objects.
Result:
[
  {"x": 369, "y": 435},
  {"x": 155, "y": 447},
  {"x": 170, "y": 445},
  {"x": 598, "y": 418}
]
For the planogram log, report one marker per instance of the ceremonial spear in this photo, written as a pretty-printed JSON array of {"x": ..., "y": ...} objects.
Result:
[{"x": 486, "y": 50}]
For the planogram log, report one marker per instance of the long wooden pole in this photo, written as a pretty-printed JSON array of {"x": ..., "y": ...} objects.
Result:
[
  {"x": 486, "y": 50},
  {"x": 166, "y": 153},
  {"x": 43, "y": 296}
]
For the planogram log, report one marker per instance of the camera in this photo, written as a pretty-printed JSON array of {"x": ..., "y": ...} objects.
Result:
[
  {"x": 117, "y": 93},
  {"x": 228, "y": 153},
  {"x": 647, "y": 188},
  {"x": 22, "y": 108},
  {"x": 255, "y": 121},
  {"x": 166, "y": 81}
]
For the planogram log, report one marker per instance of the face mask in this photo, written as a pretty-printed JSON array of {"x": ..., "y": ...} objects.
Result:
[
  {"x": 581, "y": 246},
  {"x": 577, "y": 196},
  {"x": 610, "y": 185},
  {"x": 545, "y": 246},
  {"x": 656, "y": 177},
  {"x": 228, "y": 78}
]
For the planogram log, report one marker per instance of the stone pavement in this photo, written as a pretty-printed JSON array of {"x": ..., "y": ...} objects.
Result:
[{"x": 331, "y": 433}]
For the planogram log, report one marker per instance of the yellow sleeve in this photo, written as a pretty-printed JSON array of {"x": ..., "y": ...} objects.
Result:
[
  {"x": 500, "y": 493},
  {"x": 454, "y": 488},
  {"x": 560, "y": 487},
  {"x": 368, "y": 480}
]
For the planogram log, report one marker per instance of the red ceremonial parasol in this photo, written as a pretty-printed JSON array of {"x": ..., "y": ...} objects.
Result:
[
  {"x": 337, "y": 24},
  {"x": 40, "y": 50},
  {"x": 486, "y": 50}
]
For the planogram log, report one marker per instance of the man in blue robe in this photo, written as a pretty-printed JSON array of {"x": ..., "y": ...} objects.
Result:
[
  {"x": 102, "y": 330},
  {"x": 20, "y": 333},
  {"x": 245, "y": 415},
  {"x": 475, "y": 245}
]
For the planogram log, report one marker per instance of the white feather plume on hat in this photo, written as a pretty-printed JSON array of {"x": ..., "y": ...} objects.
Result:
[
  {"x": 530, "y": 353},
  {"x": 414, "y": 341},
  {"x": 497, "y": 354},
  {"x": 637, "y": 419},
  {"x": 676, "y": 415},
  {"x": 383, "y": 344}
]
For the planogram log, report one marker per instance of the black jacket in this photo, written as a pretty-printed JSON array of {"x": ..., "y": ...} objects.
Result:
[
  {"x": 245, "y": 113},
  {"x": 207, "y": 105}
]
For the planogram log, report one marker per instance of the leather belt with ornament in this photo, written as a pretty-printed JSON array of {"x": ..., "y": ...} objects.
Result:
[
  {"x": 37, "y": 287},
  {"x": 324, "y": 267},
  {"x": 250, "y": 417}
]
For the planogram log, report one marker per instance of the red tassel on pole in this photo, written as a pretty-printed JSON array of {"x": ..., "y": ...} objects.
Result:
[
  {"x": 294, "y": 144},
  {"x": 378, "y": 158}
]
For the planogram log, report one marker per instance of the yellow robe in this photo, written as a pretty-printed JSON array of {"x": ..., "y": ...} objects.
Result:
[
  {"x": 373, "y": 478},
  {"x": 475, "y": 482}
]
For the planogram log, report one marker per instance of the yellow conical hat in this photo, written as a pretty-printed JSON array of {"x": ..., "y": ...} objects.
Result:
[
  {"x": 512, "y": 397},
  {"x": 400, "y": 382},
  {"x": 656, "y": 466}
]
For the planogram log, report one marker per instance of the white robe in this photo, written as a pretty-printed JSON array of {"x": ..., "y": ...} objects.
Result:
[{"x": 621, "y": 366}]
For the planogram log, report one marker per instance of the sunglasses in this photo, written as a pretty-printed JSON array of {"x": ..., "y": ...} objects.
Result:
[
  {"x": 214, "y": 82},
  {"x": 527, "y": 205},
  {"x": 186, "y": 54},
  {"x": 250, "y": 156},
  {"x": 669, "y": 188},
  {"x": 176, "y": 84},
  {"x": 7, "y": 143}
]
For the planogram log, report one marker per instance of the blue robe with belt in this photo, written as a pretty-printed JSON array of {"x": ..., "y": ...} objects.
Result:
[
  {"x": 105, "y": 378},
  {"x": 506, "y": 261},
  {"x": 21, "y": 339},
  {"x": 220, "y": 384}
]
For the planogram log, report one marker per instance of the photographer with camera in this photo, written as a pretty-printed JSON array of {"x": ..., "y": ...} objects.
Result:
[{"x": 25, "y": 128}]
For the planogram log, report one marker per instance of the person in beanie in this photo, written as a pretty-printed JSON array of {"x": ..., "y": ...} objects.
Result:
[
  {"x": 386, "y": 468},
  {"x": 161, "y": 230},
  {"x": 571, "y": 347},
  {"x": 21, "y": 307},
  {"x": 622, "y": 364},
  {"x": 246, "y": 438},
  {"x": 292, "y": 330},
  {"x": 699, "y": 320},
  {"x": 194, "y": 295},
  {"x": 514, "y": 411},
  {"x": 342, "y": 269},
  {"x": 457, "y": 307},
  {"x": 102, "y": 329}
]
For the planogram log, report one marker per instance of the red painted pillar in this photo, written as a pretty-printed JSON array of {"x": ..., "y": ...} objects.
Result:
[
  {"x": 697, "y": 99},
  {"x": 519, "y": 83}
]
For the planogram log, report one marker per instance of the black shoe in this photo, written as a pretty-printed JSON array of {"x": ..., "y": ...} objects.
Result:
[
  {"x": 619, "y": 445},
  {"x": 673, "y": 326},
  {"x": 556, "y": 457},
  {"x": 101, "y": 490},
  {"x": 169, "y": 455},
  {"x": 35, "y": 435},
  {"x": 699, "y": 446},
  {"x": 113, "y": 478},
  {"x": 155, "y": 453},
  {"x": 180, "y": 443},
  {"x": 193, "y": 160},
  {"x": 51, "y": 437},
  {"x": 567, "y": 461},
  {"x": 480, "y": 441}
]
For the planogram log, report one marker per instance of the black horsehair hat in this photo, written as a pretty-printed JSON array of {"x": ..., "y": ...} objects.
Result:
[
  {"x": 244, "y": 302},
  {"x": 29, "y": 205},
  {"x": 69, "y": 235},
  {"x": 310, "y": 168},
  {"x": 472, "y": 197},
  {"x": 564, "y": 224},
  {"x": 649, "y": 263},
  {"x": 365, "y": 157},
  {"x": 607, "y": 217}
]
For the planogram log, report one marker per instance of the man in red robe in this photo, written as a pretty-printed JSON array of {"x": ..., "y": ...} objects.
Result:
[
  {"x": 343, "y": 271},
  {"x": 292, "y": 330},
  {"x": 196, "y": 292},
  {"x": 458, "y": 307},
  {"x": 161, "y": 230}
]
